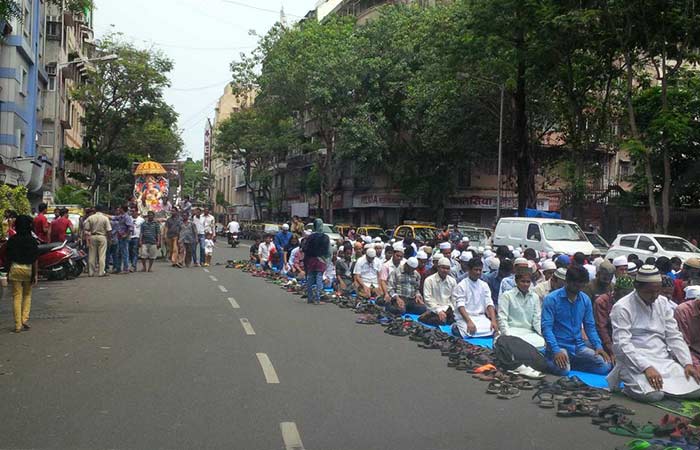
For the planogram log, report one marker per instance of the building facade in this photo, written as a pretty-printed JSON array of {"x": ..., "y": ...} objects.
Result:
[{"x": 229, "y": 178}]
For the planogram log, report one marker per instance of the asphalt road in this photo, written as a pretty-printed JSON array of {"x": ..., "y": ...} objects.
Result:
[{"x": 164, "y": 361}]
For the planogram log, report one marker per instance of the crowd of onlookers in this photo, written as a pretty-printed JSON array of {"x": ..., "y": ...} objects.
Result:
[{"x": 635, "y": 321}]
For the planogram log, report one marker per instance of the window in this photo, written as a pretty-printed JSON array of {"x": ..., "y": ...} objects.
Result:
[
  {"x": 644, "y": 243},
  {"x": 52, "y": 83},
  {"x": 533, "y": 232},
  {"x": 47, "y": 138},
  {"x": 402, "y": 232},
  {"x": 628, "y": 241},
  {"x": 563, "y": 232},
  {"x": 23, "y": 82},
  {"x": 625, "y": 169},
  {"x": 26, "y": 22},
  {"x": 53, "y": 28},
  {"x": 464, "y": 177},
  {"x": 674, "y": 244}
]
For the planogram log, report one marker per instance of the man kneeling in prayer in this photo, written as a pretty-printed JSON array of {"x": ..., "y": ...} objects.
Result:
[
  {"x": 476, "y": 315},
  {"x": 403, "y": 287},
  {"x": 653, "y": 360},
  {"x": 519, "y": 312},
  {"x": 564, "y": 312}
]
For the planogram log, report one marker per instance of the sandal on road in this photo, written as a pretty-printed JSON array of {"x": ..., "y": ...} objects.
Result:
[
  {"x": 544, "y": 399},
  {"x": 508, "y": 392},
  {"x": 572, "y": 407},
  {"x": 633, "y": 430},
  {"x": 494, "y": 387}
]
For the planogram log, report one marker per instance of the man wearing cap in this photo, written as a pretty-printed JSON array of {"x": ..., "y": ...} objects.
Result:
[
  {"x": 446, "y": 250},
  {"x": 463, "y": 270},
  {"x": 455, "y": 234},
  {"x": 562, "y": 261},
  {"x": 602, "y": 307},
  {"x": 282, "y": 237},
  {"x": 557, "y": 281},
  {"x": 602, "y": 283},
  {"x": 508, "y": 283},
  {"x": 437, "y": 289},
  {"x": 403, "y": 288},
  {"x": 688, "y": 276},
  {"x": 388, "y": 267},
  {"x": 653, "y": 359},
  {"x": 620, "y": 264},
  {"x": 688, "y": 317},
  {"x": 476, "y": 313},
  {"x": 564, "y": 313},
  {"x": 491, "y": 265},
  {"x": 367, "y": 274},
  {"x": 519, "y": 312},
  {"x": 548, "y": 269}
]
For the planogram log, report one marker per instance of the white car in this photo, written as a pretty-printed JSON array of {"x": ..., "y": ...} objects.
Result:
[
  {"x": 645, "y": 245},
  {"x": 543, "y": 235}
]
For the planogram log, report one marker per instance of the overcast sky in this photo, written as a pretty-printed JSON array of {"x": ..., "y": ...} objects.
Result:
[{"x": 202, "y": 37}]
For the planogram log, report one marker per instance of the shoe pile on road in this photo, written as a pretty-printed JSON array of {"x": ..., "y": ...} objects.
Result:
[{"x": 570, "y": 397}]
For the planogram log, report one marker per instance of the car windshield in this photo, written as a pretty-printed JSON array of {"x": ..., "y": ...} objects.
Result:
[
  {"x": 328, "y": 228},
  {"x": 563, "y": 232},
  {"x": 425, "y": 234},
  {"x": 374, "y": 232},
  {"x": 597, "y": 240},
  {"x": 674, "y": 244},
  {"x": 475, "y": 236}
]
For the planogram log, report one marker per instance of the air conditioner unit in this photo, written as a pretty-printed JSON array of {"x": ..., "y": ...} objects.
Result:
[{"x": 51, "y": 70}]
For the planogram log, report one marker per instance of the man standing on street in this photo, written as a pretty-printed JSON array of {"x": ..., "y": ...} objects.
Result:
[
  {"x": 150, "y": 241},
  {"x": 41, "y": 224},
  {"x": 124, "y": 230},
  {"x": 282, "y": 237},
  {"x": 98, "y": 227},
  {"x": 172, "y": 233},
  {"x": 198, "y": 221},
  {"x": 209, "y": 222},
  {"x": 135, "y": 237}
]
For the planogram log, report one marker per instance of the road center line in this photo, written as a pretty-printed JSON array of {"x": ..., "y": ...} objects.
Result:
[
  {"x": 206, "y": 270},
  {"x": 268, "y": 370},
  {"x": 233, "y": 302},
  {"x": 290, "y": 435},
  {"x": 247, "y": 327},
  {"x": 213, "y": 278},
  {"x": 222, "y": 289}
]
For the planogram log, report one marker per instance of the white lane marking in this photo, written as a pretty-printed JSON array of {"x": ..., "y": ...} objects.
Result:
[
  {"x": 247, "y": 327},
  {"x": 222, "y": 289},
  {"x": 290, "y": 435},
  {"x": 245, "y": 245},
  {"x": 268, "y": 370},
  {"x": 233, "y": 302},
  {"x": 213, "y": 278},
  {"x": 206, "y": 270}
]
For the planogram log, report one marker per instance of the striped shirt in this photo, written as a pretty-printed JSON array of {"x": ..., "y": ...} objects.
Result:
[{"x": 150, "y": 232}]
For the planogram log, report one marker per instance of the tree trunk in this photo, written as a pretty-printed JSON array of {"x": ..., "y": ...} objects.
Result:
[
  {"x": 653, "y": 214},
  {"x": 525, "y": 162}
]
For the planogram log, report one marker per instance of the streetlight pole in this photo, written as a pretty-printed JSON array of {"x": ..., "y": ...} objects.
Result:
[{"x": 500, "y": 154}]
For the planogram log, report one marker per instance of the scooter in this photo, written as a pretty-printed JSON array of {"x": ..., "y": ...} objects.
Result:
[
  {"x": 54, "y": 260},
  {"x": 78, "y": 260},
  {"x": 233, "y": 240}
]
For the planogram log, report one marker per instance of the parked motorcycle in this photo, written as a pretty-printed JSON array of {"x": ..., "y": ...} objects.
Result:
[
  {"x": 233, "y": 240},
  {"x": 79, "y": 260},
  {"x": 54, "y": 260}
]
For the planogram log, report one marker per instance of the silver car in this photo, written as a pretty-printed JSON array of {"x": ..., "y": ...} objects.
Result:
[{"x": 645, "y": 245}]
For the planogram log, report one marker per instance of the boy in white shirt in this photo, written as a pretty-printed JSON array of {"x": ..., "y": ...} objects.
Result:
[{"x": 208, "y": 249}]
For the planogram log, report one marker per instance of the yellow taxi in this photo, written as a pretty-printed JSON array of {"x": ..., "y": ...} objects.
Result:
[
  {"x": 372, "y": 231},
  {"x": 420, "y": 231}
]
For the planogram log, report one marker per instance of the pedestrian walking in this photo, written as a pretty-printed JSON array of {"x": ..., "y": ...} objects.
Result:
[
  {"x": 135, "y": 239},
  {"x": 172, "y": 234},
  {"x": 150, "y": 241},
  {"x": 198, "y": 221},
  {"x": 22, "y": 254},
  {"x": 41, "y": 224},
  {"x": 97, "y": 228},
  {"x": 187, "y": 238}
]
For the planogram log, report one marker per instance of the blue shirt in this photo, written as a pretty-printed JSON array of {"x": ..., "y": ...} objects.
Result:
[
  {"x": 494, "y": 282},
  {"x": 282, "y": 239},
  {"x": 562, "y": 320}
]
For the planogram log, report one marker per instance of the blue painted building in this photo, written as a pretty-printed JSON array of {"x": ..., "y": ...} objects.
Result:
[{"x": 23, "y": 82}]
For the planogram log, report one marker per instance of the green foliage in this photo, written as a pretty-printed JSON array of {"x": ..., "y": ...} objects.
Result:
[
  {"x": 221, "y": 200},
  {"x": 14, "y": 199},
  {"x": 73, "y": 195},
  {"x": 126, "y": 117},
  {"x": 195, "y": 182}
]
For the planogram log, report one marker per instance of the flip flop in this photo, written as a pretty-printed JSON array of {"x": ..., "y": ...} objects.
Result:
[
  {"x": 544, "y": 399},
  {"x": 637, "y": 444},
  {"x": 632, "y": 430},
  {"x": 494, "y": 387},
  {"x": 508, "y": 392}
]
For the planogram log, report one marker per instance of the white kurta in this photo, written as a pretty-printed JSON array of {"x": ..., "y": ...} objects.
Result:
[
  {"x": 648, "y": 336},
  {"x": 475, "y": 296},
  {"x": 520, "y": 315}
]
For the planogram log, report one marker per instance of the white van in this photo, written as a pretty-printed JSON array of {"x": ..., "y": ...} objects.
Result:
[{"x": 544, "y": 235}]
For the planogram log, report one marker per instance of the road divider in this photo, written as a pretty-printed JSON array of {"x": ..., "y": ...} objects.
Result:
[
  {"x": 290, "y": 435},
  {"x": 213, "y": 278},
  {"x": 233, "y": 302},
  {"x": 247, "y": 327},
  {"x": 222, "y": 289},
  {"x": 268, "y": 370}
]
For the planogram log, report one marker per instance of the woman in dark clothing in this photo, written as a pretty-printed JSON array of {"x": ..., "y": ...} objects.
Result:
[{"x": 22, "y": 254}]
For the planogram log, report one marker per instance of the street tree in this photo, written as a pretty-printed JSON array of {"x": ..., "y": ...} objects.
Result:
[
  {"x": 125, "y": 113},
  {"x": 195, "y": 182}
]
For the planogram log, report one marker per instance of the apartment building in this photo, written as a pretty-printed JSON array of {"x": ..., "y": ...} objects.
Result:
[
  {"x": 229, "y": 178},
  {"x": 23, "y": 81},
  {"x": 69, "y": 44}
]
